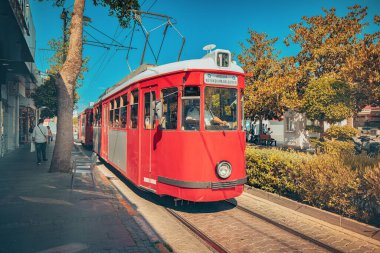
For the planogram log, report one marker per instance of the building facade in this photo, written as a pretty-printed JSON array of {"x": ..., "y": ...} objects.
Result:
[{"x": 18, "y": 74}]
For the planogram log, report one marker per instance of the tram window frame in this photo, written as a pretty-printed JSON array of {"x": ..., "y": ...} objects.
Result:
[
  {"x": 134, "y": 109},
  {"x": 94, "y": 115},
  {"x": 169, "y": 113},
  {"x": 123, "y": 110},
  {"x": 219, "y": 120},
  {"x": 90, "y": 119},
  {"x": 190, "y": 123},
  {"x": 242, "y": 126},
  {"x": 116, "y": 120},
  {"x": 99, "y": 118},
  {"x": 111, "y": 113},
  {"x": 149, "y": 110}
]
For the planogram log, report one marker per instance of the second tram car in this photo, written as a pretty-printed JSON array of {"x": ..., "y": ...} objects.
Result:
[
  {"x": 176, "y": 129},
  {"x": 85, "y": 127}
]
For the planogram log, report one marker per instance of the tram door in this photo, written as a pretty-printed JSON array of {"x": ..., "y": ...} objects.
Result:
[
  {"x": 148, "y": 131},
  {"x": 104, "y": 129}
]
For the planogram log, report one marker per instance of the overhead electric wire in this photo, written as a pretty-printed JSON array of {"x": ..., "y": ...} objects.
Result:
[
  {"x": 96, "y": 29},
  {"x": 152, "y": 5},
  {"x": 97, "y": 41}
]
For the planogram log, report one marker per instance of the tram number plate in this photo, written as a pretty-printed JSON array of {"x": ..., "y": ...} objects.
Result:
[{"x": 231, "y": 80}]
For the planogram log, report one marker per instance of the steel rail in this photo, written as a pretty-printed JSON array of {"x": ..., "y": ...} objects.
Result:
[
  {"x": 285, "y": 228},
  {"x": 214, "y": 245}
]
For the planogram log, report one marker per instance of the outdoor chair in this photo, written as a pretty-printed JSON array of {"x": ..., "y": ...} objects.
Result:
[
  {"x": 264, "y": 139},
  {"x": 83, "y": 165}
]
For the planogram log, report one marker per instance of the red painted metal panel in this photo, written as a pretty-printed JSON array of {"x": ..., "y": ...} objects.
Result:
[{"x": 185, "y": 156}]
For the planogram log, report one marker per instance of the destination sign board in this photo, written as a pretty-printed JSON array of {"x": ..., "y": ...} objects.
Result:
[{"x": 230, "y": 80}]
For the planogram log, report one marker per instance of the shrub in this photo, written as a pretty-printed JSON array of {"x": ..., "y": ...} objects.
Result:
[
  {"x": 333, "y": 147},
  {"x": 337, "y": 148},
  {"x": 342, "y": 133},
  {"x": 315, "y": 129},
  {"x": 337, "y": 181},
  {"x": 275, "y": 171},
  {"x": 328, "y": 184}
]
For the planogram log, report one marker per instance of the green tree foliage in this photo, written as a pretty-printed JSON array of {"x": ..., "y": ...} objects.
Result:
[
  {"x": 270, "y": 86},
  {"x": 328, "y": 99},
  {"x": 46, "y": 96},
  {"x": 336, "y": 45},
  {"x": 342, "y": 133}
]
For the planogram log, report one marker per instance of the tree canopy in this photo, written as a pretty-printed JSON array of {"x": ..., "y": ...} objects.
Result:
[
  {"x": 270, "y": 86},
  {"x": 330, "y": 46},
  {"x": 46, "y": 96},
  {"x": 328, "y": 99},
  {"x": 336, "y": 45}
]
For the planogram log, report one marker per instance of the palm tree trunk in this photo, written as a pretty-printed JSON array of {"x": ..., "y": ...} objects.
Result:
[{"x": 66, "y": 84}]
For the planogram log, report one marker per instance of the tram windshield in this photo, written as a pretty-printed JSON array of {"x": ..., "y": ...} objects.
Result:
[{"x": 220, "y": 108}]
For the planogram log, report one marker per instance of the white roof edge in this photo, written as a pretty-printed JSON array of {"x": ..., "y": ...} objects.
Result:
[{"x": 205, "y": 63}]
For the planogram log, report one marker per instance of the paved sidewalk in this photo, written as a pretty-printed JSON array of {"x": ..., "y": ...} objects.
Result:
[{"x": 40, "y": 213}]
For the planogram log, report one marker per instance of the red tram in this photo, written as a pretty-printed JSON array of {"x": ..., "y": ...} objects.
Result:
[
  {"x": 176, "y": 129},
  {"x": 85, "y": 127}
]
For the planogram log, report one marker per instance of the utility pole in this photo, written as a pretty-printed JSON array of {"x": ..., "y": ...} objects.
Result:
[{"x": 64, "y": 17}]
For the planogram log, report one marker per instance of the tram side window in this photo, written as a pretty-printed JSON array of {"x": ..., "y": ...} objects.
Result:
[
  {"x": 90, "y": 119},
  {"x": 169, "y": 98},
  {"x": 242, "y": 108},
  {"x": 98, "y": 116},
  {"x": 134, "y": 108},
  {"x": 94, "y": 119},
  {"x": 190, "y": 108},
  {"x": 123, "y": 111},
  {"x": 149, "y": 106},
  {"x": 111, "y": 105},
  {"x": 116, "y": 122}
]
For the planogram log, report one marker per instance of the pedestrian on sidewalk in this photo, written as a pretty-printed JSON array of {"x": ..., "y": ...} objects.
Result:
[
  {"x": 50, "y": 135},
  {"x": 39, "y": 136}
]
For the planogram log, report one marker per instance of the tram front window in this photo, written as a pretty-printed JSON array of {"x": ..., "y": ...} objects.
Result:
[
  {"x": 220, "y": 108},
  {"x": 190, "y": 108}
]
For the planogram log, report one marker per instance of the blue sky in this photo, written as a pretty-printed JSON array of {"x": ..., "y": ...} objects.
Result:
[{"x": 201, "y": 22}]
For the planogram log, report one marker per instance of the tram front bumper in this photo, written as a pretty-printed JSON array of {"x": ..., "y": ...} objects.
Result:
[{"x": 202, "y": 185}]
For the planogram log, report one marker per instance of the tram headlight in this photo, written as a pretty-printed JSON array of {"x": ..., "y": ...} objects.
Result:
[{"x": 223, "y": 169}]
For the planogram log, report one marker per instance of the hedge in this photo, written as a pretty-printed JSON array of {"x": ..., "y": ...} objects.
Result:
[{"x": 338, "y": 181}]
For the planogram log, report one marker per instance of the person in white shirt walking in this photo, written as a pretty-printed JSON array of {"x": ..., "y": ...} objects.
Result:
[{"x": 39, "y": 136}]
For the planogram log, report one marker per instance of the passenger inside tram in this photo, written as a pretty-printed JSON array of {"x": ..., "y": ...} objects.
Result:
[{"x": 192, "y": 117}]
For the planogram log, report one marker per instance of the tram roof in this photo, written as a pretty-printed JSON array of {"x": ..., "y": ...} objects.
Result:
[{"x": 208, "y": 62}]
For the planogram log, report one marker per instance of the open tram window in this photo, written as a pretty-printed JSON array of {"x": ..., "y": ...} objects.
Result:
[
  {"x": 123, "y": 111},
  {"x": 89, "y": 119},
  {"x": 169, "y": 98},
  {"x": 111, "y": 115},
  {"x": 134, "y": 102},
  {"x": 242, "y": 109},
  {"x": 116, "y": 122},
  {"x": 149, "y": 106},
  {"x": 221, "y": 109},
  {"x": 190, "y": 108},
  {"x": 99, "y": 116}
]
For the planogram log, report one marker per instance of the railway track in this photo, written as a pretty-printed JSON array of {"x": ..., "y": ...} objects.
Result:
[
  {"x": 285, "y": 228},
  {"x": 249, "y": 232},
  {"x": 211, "y": 243}
]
